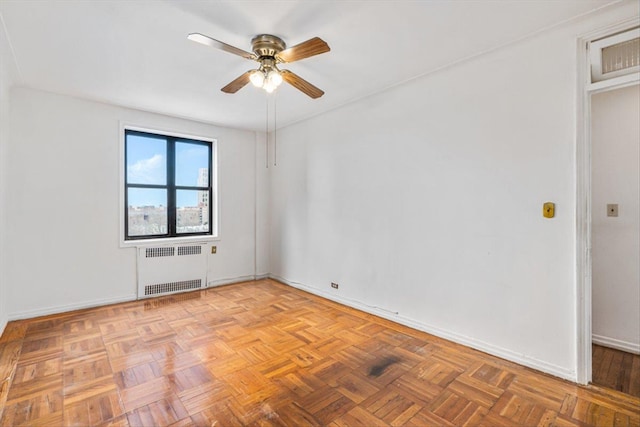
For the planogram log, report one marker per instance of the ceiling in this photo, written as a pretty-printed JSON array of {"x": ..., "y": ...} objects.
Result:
[{"x": 136, "y": 53}]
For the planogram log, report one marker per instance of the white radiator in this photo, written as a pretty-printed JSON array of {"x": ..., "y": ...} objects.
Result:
[{"x": 168, "y": 269}]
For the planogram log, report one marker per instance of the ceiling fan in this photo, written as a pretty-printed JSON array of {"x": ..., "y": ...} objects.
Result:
[{"x": 269, "y": 51}]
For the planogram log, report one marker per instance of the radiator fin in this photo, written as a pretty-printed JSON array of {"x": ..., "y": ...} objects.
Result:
[
  {"x": 190, "y": 250},
  {"x": 162, "y": 251},
  {"x": 167, "y": 269},
  {"x": 163, "y": 288}
]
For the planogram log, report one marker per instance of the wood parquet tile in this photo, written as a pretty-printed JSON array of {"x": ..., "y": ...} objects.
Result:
[
  {"x": 264, "y": 354},
  {"x": 616, "y": 369}
]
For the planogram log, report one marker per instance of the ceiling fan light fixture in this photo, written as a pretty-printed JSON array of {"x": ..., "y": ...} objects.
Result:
[
  {"x": 269, "y": 87},
  {"x": 257, "y": 78},
  {"x": 274, "y": 78}
]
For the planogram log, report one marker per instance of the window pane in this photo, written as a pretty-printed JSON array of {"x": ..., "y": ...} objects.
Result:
[
  {"x": 192, "y": 213},
  {"x": 192, "y": 164},
  {"x": 147, "y": 211},
  {"x": 146, "y": 160}
]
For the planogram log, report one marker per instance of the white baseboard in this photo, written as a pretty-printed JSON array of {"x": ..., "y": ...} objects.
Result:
[
  {"x": 503, "y": 353},
  {"x": 629, "y": 347},
  {"x": 28, "y": 314},
  {"x": 228, "y": 281},
  {"x": 3, "y": 324}
]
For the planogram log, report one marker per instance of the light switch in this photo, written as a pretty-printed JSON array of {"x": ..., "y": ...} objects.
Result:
[
  {"x": 214, "y": 249},
  {"x": 612, "y": 209},
  {"x": 549, "y": 210}
]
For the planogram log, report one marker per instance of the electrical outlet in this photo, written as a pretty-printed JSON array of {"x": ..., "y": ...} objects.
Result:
[
  {"x": 334, "y": 285},
  {"x": 214, "y": 249}
]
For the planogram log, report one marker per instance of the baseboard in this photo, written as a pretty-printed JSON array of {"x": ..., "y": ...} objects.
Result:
[
  {"x": 3, "y": 324},
  {"x": 503, "y": 353},
  {"x": 70, "y": 307},
  {"x": 106, "y": 301},
  {"x": 230, "y": 280},
  {"x": 629, "y": 347}
]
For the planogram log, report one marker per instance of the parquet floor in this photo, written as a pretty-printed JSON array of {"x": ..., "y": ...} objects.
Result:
[
  {"x": 262, "y": 353},
  {"x": 616, "y": 369}
]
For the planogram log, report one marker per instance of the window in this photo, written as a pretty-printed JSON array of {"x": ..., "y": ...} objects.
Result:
[
  {"x": 615, "y": 56},
  {"x": 168, "y": 186}
]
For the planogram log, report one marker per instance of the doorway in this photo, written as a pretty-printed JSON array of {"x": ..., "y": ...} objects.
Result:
[
  {"x": 593, "y": 80},
  {"x": 615, "y": 238}
]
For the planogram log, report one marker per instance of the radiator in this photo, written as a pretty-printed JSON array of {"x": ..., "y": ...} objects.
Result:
[{"x": 169, "y": 269}]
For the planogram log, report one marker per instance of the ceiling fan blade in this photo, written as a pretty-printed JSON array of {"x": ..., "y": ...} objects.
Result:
[
  {"x": 238, "y": 83},
  {"x": 301, "y": 84},
  {"x": 311, "y": 47},
  {"x": 208, "y": 41}
]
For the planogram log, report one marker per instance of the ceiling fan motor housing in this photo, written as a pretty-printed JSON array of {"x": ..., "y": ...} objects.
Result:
[{"x": 267, "y": 45}]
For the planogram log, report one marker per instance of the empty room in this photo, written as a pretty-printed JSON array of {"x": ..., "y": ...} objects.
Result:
[{"x": 323, "y": 213}]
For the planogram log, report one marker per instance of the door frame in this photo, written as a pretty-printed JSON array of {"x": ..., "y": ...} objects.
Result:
[{"x": 585, "y": 90}]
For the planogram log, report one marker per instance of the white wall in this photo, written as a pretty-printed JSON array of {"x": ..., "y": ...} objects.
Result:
[
  {"x": 616, "y": 240},
  {"x": 7, "y": 76},
  {"x": 4, "y": 134},
  {"x": 62, "y": 196},
  {"x": 262, "y": 207},
  {"x": 425, "y": 202}
]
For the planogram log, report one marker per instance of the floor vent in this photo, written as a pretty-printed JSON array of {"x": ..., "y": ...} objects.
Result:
[
  {"x": 164, "y": 288},
  {"x": 189, "y": 250},
  {"x": 169, "y": 269}
]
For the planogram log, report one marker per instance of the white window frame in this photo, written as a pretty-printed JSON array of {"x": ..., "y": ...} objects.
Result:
[{"x": 598, "y": 79}]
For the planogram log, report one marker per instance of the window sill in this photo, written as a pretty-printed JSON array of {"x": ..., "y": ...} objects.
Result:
[{"x": 167, "y": 241}]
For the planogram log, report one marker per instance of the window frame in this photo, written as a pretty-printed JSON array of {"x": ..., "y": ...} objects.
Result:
[
  {"x": 172, "y": 235},
  {"x": 597, "y": 78}
]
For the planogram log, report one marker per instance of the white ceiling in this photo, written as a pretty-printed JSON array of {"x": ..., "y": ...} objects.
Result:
[{"x": 136, "y": 53}]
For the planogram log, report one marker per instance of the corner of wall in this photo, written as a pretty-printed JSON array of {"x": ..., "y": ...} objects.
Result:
[
  {"x": 4, "y": 135},
  {"x": 5, "y": 87},
  {"x": 262, "y": 222}
]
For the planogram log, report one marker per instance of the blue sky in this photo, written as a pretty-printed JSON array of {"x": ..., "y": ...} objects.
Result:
[{"x": 146, "y": 164}]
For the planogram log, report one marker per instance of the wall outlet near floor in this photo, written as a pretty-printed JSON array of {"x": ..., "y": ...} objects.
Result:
[{"x": 334, "y": 285}]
